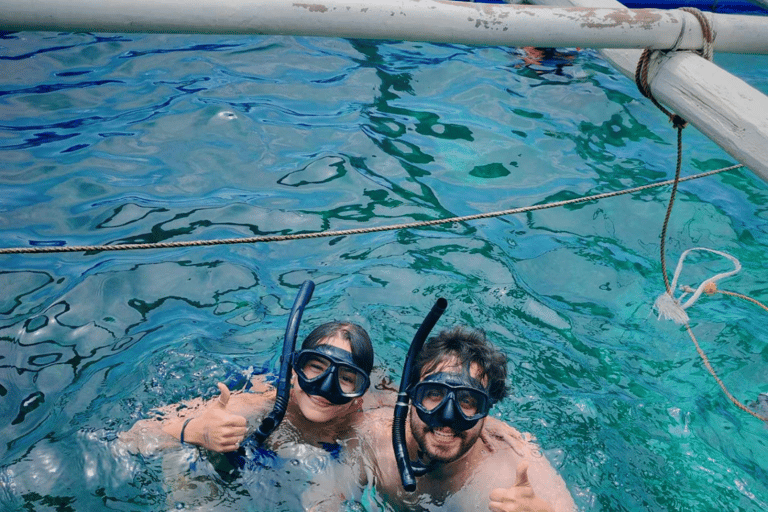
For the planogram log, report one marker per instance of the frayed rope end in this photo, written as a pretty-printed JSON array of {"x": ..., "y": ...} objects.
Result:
[{"x": 669, "y": 309}]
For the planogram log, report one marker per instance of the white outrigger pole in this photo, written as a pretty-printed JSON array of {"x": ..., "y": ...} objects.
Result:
[
  {"x": 403, "y": 20},
  {"x": 730, "y": 112},
  {"x": 733, "y": 114}
]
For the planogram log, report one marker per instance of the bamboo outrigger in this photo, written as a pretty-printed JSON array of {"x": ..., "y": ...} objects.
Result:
[{"x": 726, "y": 109}]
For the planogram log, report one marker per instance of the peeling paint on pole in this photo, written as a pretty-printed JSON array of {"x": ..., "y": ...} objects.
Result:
[
  {"x": 313, "y": 7},
  {"x": 405, "y": 20}
]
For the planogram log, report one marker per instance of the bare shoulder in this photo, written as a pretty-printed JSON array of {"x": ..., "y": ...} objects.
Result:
[
  {"x": 508, "y": 447},
  {"x": 376, "y": 421},
  {"x": 374, "y": 431},
  {"x": 499, "y": 435},
  {"x": 382, "y": 392}
]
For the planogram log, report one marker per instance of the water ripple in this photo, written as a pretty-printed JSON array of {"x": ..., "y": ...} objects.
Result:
[{"x": 117, "y": 139}]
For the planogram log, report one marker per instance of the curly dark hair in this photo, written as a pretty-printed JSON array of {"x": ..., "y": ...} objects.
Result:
[{"x": 468, "y": 346}]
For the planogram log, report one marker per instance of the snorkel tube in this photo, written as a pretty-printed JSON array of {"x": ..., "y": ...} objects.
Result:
[
  {"x": 409, "y": 469},
  {"x": 273, "y": 419},
  {"x": 238, "y": 459}
]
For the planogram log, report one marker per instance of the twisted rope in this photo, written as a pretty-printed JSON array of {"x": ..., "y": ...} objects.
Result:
[
  {"x": 739, "y": 295},
  {"x": 358, "y": 231},
  {"x": 706, "y": 30},
  {"x": 711, "y": 370},
  {"x": 641, "y": 79},
  {"x": 670, "y": 295},
  {"x": 675, "y": 183},
  {"x": 643, "y": 64}
]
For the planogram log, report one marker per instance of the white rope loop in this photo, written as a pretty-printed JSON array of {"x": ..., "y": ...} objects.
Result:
[{"x": 670, "y": 308}]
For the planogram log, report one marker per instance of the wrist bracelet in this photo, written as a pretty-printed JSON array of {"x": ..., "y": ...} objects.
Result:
[{"x": 183, "y": 427}]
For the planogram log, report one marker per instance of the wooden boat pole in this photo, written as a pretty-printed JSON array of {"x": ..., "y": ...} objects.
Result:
[
  {"x": 723, "y": 107},
  {"x": 405, "y": 20}
]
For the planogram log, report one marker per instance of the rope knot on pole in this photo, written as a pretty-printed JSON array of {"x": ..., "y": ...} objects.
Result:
[
  {"x": 643, "y": 64},
  {"x": 706, "y": 30},
  {"x": 641, "y": 80}
]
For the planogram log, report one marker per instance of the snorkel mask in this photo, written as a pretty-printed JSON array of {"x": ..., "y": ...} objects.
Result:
[
  {"x": 330, "y": 372},
  {"x": 453, "y": 400}
]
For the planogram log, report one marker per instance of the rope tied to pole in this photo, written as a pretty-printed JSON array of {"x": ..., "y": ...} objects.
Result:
[
  {"x": 643, "y": 64},
  {"x": 666, "y": 305},
  {"x": 641, "y": 80},
  {"x": 707, "y": 47}
]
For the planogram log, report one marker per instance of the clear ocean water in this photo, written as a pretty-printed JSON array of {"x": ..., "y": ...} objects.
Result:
[{"x": 110, "y": 139}]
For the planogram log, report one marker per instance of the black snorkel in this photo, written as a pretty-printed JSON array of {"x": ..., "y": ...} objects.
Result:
[
  {"x": 409, "y": 469},
  {"x": 273, "y": 419}
]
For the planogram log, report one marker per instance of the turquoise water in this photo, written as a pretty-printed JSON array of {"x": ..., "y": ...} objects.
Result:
[{"x": 108, "y": 139}]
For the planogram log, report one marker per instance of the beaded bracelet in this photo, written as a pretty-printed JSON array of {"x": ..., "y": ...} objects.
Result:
[{"x": 183, "y": 427}]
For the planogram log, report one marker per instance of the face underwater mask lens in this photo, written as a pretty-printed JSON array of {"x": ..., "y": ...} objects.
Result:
[
  {"x": 313, "y": 366},
  {"x": 450, "y": 400},
  {"x": 330, "y": 372},
  {"x": 350, "y": 381}
]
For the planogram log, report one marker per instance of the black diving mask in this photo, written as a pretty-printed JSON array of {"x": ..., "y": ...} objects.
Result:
[
  {"x": 330, "y": 372},
  {"x": 450, "y": 400}
]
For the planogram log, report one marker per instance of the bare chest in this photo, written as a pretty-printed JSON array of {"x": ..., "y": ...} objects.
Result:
[{"x": 464, "y": 490}]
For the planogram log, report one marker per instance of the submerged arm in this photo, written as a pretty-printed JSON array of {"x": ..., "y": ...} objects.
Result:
[
  {"x": 350, "y": 475},
  {"x": 339, "y": 483}
]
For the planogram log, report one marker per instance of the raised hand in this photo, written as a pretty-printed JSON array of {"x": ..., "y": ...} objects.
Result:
[
  {"x": 520, "y": 497},
  {"x": 217, "y": 429}
]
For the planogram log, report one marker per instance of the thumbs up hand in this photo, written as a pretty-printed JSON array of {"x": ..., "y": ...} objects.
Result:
[
  {"x": 223, "y": 400},
  {"x": 217, "y": 429},
  {"x": 520, "y": 497}
]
